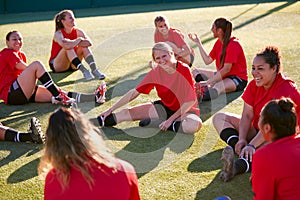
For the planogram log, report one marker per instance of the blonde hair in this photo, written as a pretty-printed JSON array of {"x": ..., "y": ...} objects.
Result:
[
  {"x": 162, "y": 46},
  {"x": 73, "y": 141}
]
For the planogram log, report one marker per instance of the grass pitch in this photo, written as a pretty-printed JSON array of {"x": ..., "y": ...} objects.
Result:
[{"x": 170, "y": 166}]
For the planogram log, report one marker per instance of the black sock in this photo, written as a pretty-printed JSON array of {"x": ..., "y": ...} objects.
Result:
[
  {"x": 209, "y": 94},
  {"x": 47, "y": 81},
  {"x": 78, "y": 64},
  {"x": 81, "y": 98},
  {"x": 110, "y": 120},
  {"x": 230, "y": 136},
  {"x": 175, "y": 126},
  {"x": 242, "y": 165},
  {"x": 201, "y": 77},
  {"x": 90, "y": 60},
  {"x": 15, "y": 136}
]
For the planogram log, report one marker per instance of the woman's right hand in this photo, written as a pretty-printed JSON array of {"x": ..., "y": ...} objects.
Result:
[
  {"x": 240, "y": 145},
  {"x": 194, "y": 37}
]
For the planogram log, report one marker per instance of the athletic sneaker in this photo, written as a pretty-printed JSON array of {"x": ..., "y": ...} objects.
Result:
[
  {"x": 200, "y": 90},
  {"x": 98, "y": 74},
  {"x": 228, "y": 161},
  {"x": 87, "y": 75},
  {"x": 62, "y": 98},
  {"x": 35, "y": 131},
  {"x": 100, "y": 93}
]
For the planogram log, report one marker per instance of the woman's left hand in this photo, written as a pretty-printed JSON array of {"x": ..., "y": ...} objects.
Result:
[
  {"x": 247, "y": 153},
  {"x": 165, "y": 125}
]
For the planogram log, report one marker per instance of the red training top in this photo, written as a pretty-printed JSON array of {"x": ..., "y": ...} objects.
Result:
[
  {"x": 173, "y": 89},
  {"x": 234, "y": 55},
  {"x": 257, "y": 97},
  {"x": 119, "y": 185},
  {"x": 275, "y": 170},
  {"x": 55, "y": 49},
  {"x": 175, "y": 36},
  {"x": 8, "y": 71}
]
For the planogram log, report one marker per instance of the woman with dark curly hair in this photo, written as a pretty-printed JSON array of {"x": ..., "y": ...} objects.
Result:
[{"x": 242, "y": 133}]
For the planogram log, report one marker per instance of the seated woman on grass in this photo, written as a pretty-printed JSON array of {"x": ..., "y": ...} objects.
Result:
[
  {"x": 176, "y": 110},
  {"x": 228, "y": 54},
  {"x": 275, "y": 169},
  {"x": 175, "y": 38},
  {"x": 242, "y": 133},
  {"x": 18, "y": 83},
  {"x": 77, "y": 164}
]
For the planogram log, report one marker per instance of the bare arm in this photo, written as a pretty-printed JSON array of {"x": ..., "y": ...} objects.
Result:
[
  {"x": 244, "y": 128},
  {"x": 21, "y": 65},
  {"x": 205, "y": 56},
  {"x": 185, "y": 50},
  {"x": 220, "y": 74},
  {"x": 129, "y": 96},
  {"x": 67, "y": 43}
]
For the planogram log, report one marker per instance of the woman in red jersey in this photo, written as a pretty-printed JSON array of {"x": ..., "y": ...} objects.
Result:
[
  {"x": 275, "y": 169},
  {"x": 228, "y": 54},
  {"x": 242, "y": 133},
  {"x": 70, "y": 45},
  {"x": 175, "y": 38},
  {"x": 78, "y": 165},
  {"x": 176, "y": 110}
]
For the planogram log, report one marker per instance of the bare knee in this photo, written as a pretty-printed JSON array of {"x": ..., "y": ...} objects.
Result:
[{"x": 191, "y": 126}]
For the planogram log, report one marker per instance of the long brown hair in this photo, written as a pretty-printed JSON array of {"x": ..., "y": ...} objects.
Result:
[
  {"x": 73, "y": 141},
  {"x": 226, "y": 27},
  {"x": 60, "y": 16}
]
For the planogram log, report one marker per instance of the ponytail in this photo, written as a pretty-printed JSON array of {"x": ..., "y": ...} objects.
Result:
[
  {"x": 226, "y": 27},
  {"x": 60, "y": 16}
]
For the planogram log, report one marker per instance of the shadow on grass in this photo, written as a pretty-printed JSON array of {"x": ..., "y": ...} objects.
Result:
[
  {"x": 148, "y": 149},
  {"x": 207, "y": 163},
  {"x": 16, "y": 150},
  {"x": 211, "y": 162},
  {"x": 24, "y": 173},
  {"x": 209, "y": 108},
  {"x": 218, "y": 188}
]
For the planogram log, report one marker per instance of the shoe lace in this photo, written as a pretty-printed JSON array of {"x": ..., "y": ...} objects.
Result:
[
  {"x": 62, "y": 97},
  {"x": 100, "y": 91}
]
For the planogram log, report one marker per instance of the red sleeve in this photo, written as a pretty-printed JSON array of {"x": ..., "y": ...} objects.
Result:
[
  {"x": 132, "y": 179},
  {"x": 214, "y": 51},
  {"x": 147, "y": 83},
  {"x": 249, "y": 93},
  {"x": 178, "y": 37},
  {"x": 15, "y": 58}
]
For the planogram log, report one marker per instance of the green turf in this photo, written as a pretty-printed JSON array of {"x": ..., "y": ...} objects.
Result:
[{"x": 169, "y": 166}]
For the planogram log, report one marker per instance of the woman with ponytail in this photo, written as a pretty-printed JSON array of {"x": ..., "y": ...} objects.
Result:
[
  {"x": 70, "y": 45},
  {"x": 275, "y": 171},
  {"x": 228, "y": 54}
]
